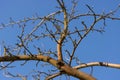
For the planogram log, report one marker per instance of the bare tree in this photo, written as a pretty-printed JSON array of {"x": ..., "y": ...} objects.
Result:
[{"x": 59, "y": 32}]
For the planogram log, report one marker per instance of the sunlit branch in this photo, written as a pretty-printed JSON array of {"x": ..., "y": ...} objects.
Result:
[
  {"x": 64, "y": 32},
  {"x": 91, "y": 64},
  {"x": 61, "y": 66},
  {"x": 53, "y": 76},
  {"x": 105, "y": 64},
  {"x": 58, "y": 28}
]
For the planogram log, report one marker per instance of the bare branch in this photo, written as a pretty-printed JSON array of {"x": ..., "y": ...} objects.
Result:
[
  {"x": 64, "y": 32},
  {"x": 53, "y": 76},
  {"x": 53, "y": 36},
  {"x": 6, "y": 66},
  {"x": 73, "y": 9},
  {"x": 105, "y": 64},
  {"x": 22, "y": 45},
  {"x": 92, "y": 11},
  {"x": 60, "y": 65},
  {"x": 76, "y": 43},
  {"x": 42, "y": 22}
]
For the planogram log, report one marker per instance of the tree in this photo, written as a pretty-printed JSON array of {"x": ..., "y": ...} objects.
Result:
[{"x": 65, "y": 29}]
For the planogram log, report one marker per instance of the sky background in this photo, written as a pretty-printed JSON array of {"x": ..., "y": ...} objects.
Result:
[{"x": 95, "y": 47}]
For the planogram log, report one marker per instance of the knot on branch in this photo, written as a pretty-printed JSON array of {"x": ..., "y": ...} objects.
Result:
[
  {"x": 60, "y": 64},
  {"x": 103, "y": 64}
]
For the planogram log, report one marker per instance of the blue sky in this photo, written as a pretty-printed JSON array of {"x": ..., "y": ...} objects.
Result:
[{"x": 95, "y": 47}]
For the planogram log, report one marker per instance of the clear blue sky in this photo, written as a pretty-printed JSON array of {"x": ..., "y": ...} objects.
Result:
[{"x": 95, "y": 47}]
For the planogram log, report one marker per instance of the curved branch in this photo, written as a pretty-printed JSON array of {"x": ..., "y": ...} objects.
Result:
[
  {"x": 105, "y": 64},
  {"x": 60, "y": 65}
]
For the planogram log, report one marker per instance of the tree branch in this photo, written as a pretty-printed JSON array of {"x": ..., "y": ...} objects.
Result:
[
  {"x": 91, "y": 64},
  {"x": 53, "y": 76},
  {"x": 61, "y": 66},
  {"x": 64, "y": 32},
  {"x": 105, "y": 64},
  {"x": 42, "y": 22}
]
